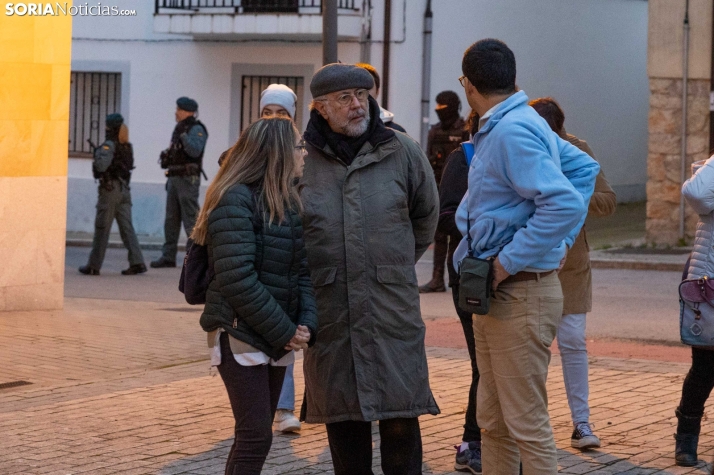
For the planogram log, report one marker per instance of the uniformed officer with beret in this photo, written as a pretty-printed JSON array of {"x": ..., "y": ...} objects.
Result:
[
  {"x": 113, "y": 162},
  {"x": 183, "y": 161}
]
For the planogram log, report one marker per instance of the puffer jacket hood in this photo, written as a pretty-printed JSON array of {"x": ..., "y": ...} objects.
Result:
[{"x": 385, "y": 115}]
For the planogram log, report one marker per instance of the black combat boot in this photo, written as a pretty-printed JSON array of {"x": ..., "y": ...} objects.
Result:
[
  {"x": 87, "y": 270},
  {"x": 135, "y": 269},
  {"x": 161, "y": 262},
  {"x": 685, "y": 450},
  {"x": 436, "y": 284},
  {"x": 687, "y": 438},
  {"x": 432, "y": 286}
]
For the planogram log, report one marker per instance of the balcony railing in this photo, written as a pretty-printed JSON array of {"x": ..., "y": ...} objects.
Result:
[{"x": 247, "y": 6}]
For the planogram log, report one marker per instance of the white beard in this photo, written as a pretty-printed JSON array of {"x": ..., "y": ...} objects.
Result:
[{"x": 355, "y": 130}]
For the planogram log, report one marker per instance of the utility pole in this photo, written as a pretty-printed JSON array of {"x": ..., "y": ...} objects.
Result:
[
  {"x": 385, "y": 57},
  {"x": 711, "y": 89},
  {"x": 685, "y": 84},
  {"x": 426, "y": 75},
  {"x": 329, "y": 31},
  {"x": 365, "y": 39}
]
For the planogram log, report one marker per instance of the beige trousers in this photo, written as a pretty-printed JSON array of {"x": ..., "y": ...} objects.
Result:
[{"x": 513, "y": 352}]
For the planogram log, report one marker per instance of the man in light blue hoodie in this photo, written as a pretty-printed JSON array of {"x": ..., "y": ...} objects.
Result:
[{"x": 527, "y": 200}]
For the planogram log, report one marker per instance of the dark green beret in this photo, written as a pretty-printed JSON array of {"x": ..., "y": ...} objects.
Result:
[
  {"x": 337, "y": 77},
  {"x": 114, "y": 121},
  {"x": 187, "y": 104}
]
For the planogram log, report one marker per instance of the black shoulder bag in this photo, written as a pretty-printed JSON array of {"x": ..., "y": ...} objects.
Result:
[
  {"x": 475, "y": 281},
  {"x": 197, "y": 273}
]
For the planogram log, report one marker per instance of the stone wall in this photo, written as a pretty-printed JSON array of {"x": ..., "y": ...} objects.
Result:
[{"x": 664, "y": 154}]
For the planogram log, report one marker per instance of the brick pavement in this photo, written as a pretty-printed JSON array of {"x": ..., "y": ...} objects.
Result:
[{"x": 125, "y": 388}]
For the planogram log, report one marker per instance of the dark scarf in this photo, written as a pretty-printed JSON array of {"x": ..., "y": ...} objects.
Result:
[{"x": 318, "y": 133}]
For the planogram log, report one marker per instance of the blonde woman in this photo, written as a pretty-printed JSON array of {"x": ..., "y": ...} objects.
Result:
[{"x": 260, "y": 306}]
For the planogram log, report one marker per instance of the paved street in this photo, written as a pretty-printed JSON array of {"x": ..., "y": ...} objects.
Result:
[
  {"x": 121, "y": 384},
  {"x": 628, "y": 304}
]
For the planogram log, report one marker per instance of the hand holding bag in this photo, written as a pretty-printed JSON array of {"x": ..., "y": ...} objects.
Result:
[
  {"x": 696, "y": 322},
  {"x": 476, "y": 279}
]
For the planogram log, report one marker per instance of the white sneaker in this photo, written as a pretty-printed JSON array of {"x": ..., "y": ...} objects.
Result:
[{"x": 286, "y": 421}]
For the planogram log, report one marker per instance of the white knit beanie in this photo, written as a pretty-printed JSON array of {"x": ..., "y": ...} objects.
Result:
[{"x": 280, "y": 95}]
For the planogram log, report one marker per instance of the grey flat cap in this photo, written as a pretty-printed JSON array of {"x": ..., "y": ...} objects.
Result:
[{"x": 337, "y": 76}]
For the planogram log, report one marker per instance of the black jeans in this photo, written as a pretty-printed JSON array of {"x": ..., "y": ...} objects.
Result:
[
  {"x": 253, "y": 392},
  {"x": 351, "y": 447},
  {"x": 472, "y": 431},
  {"x": 697, "y": 387}
]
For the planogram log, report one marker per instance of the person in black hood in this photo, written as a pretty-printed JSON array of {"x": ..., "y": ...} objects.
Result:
[{"x": 444, "y": 137}]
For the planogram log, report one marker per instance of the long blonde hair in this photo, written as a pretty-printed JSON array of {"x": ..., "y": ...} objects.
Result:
[{"x": 263, "y": 153}]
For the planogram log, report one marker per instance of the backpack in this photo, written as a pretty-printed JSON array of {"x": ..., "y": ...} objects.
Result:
[
  {"x": 468, "y": 149},
  {"x": 121, "y": 166},
  {"x": 123, "y": 162}
]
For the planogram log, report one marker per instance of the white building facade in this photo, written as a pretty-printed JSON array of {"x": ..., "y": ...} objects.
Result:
[{"x": 591, "y": 55}]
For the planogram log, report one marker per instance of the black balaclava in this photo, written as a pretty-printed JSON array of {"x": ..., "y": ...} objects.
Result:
[{"x": 450, "y": 114}]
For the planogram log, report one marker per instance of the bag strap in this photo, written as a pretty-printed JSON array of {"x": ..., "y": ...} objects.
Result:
[
  {"x": 468, "y": 149},
  {"x": 468, "y": 234}
]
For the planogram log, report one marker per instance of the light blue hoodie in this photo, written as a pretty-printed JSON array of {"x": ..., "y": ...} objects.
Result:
[{"x": 528, "y": 191}]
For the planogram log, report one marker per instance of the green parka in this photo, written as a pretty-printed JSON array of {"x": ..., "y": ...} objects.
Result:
[
  {"x": 262, "y": 289},
  {"x": 366, "y": 225}
]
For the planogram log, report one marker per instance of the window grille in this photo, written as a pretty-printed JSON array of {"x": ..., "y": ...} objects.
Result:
[{"x": 92, "y": 97}]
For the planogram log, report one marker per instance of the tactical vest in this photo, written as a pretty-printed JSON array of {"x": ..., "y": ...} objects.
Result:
[
  {"x": 177, "y": 155},
  {"x": 442, "y": 143}
]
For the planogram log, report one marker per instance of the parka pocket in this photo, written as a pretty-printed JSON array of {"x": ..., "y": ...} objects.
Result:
[
  {"x": 323, "y": 276},
  {"x": 396, "y": 275}
]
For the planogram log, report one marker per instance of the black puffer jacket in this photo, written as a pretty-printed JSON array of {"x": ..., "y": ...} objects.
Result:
[{"x": 262, "y": 287}]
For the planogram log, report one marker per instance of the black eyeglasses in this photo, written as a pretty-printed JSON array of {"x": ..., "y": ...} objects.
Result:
[
  {"x": 461, "y": 81},
  {"x": 301, "y": 146}
]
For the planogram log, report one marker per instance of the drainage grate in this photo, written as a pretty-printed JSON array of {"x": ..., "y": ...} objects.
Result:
[{"x": 14, "y": 384}]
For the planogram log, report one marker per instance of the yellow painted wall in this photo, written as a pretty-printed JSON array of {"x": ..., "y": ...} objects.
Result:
[{"x": 34, "y": 97}]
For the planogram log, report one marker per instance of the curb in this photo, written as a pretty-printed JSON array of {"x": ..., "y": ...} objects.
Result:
[
  {"x": 636, "y": 265},
  {"x": 145, "y": 246}
]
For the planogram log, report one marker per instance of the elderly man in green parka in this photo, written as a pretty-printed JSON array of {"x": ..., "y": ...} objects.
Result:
[{"x": 370, "y": 211}]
